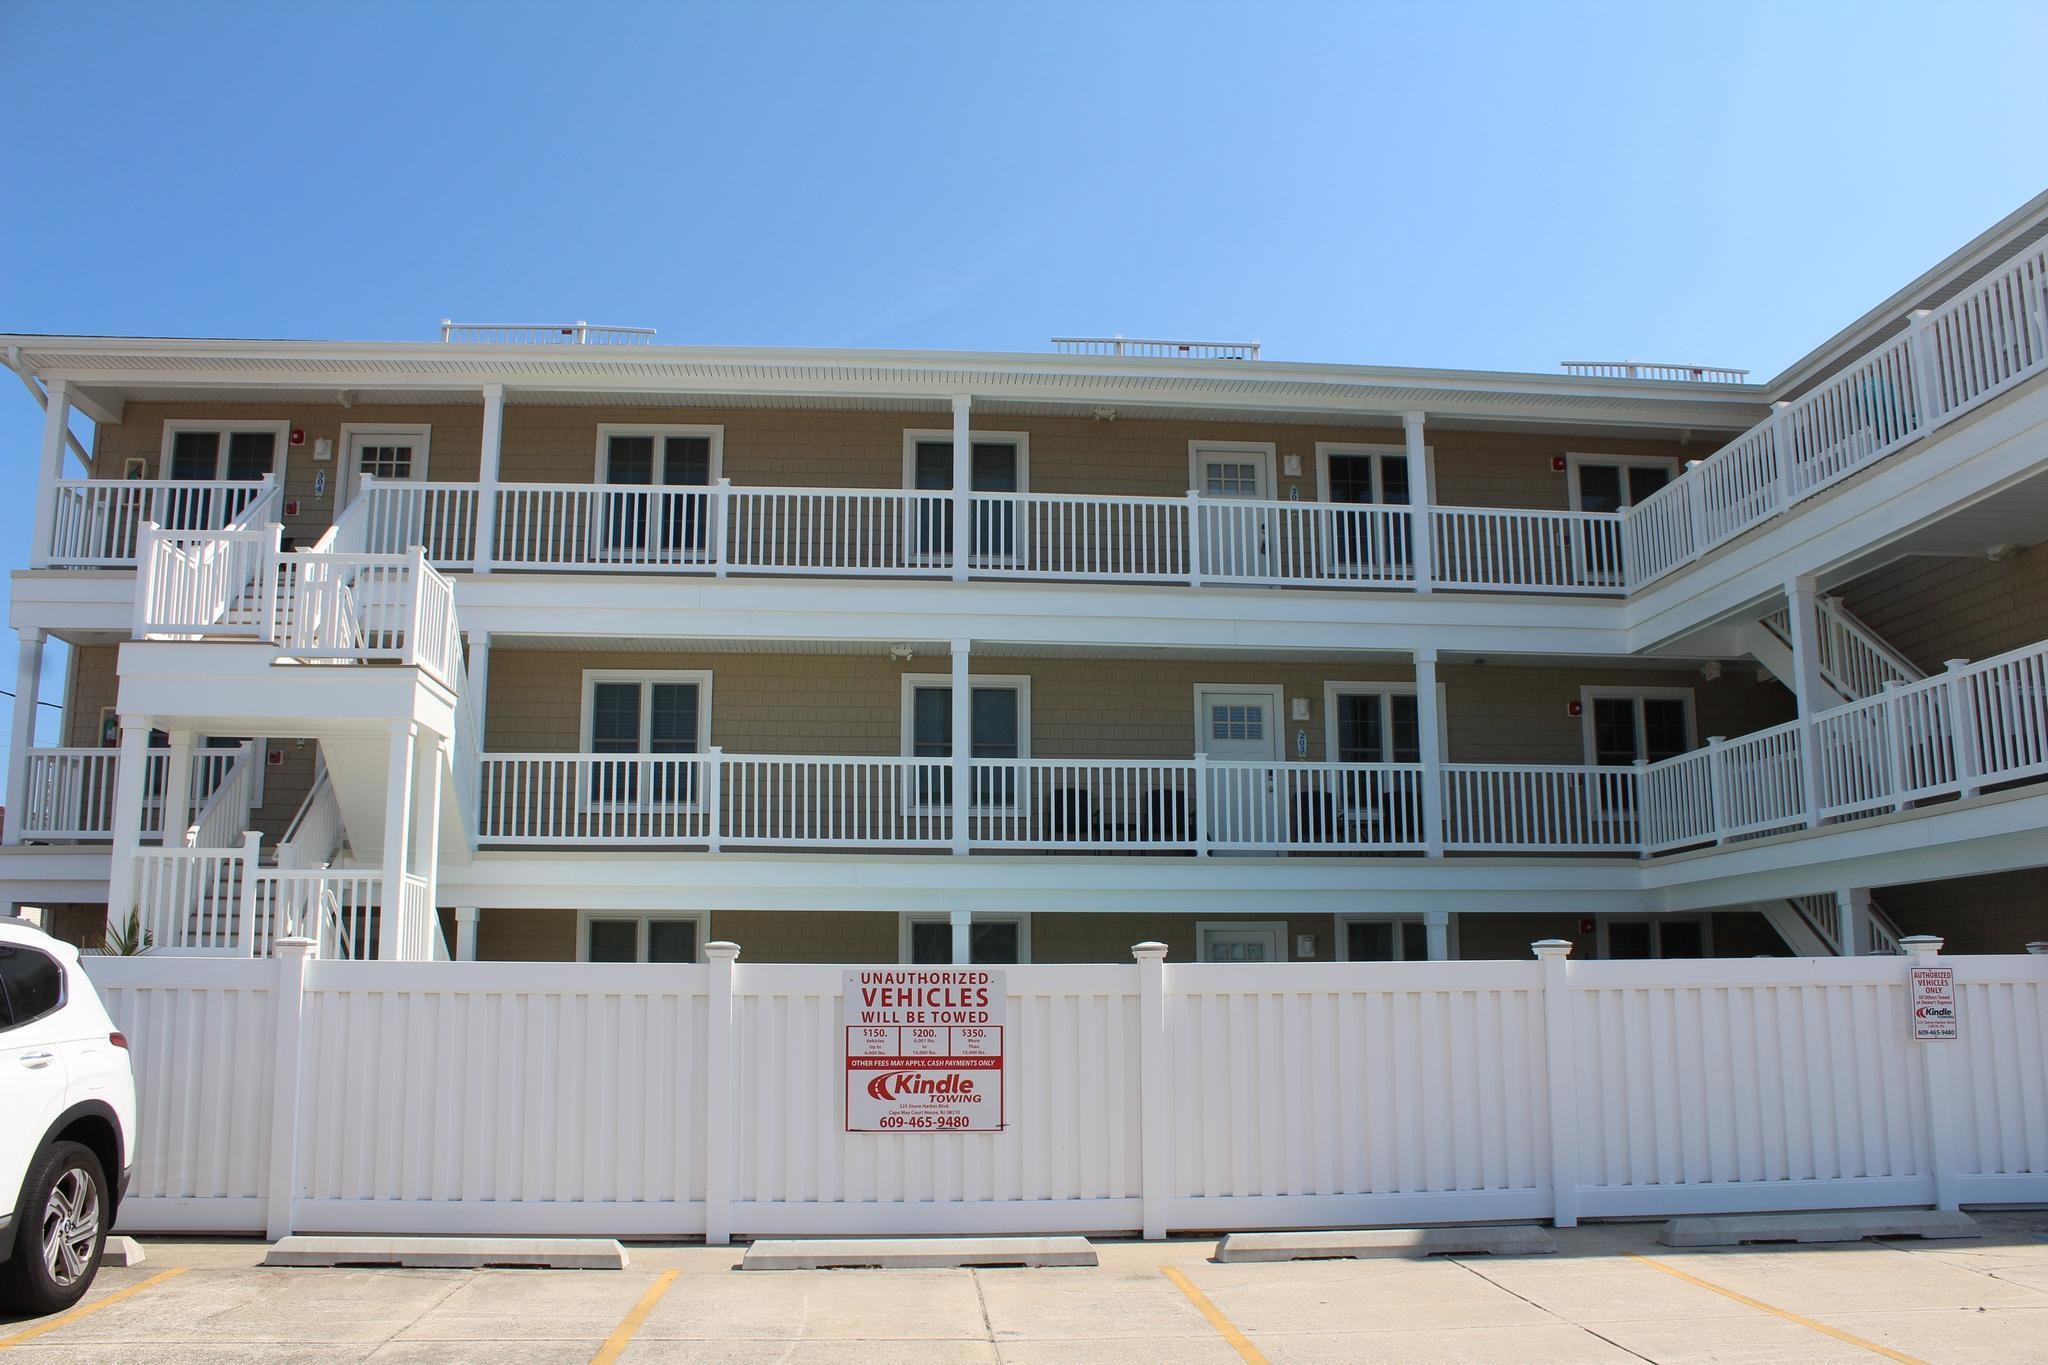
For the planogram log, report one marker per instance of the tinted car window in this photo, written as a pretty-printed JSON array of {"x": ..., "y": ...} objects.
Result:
[{"x": 31, "y": 982}]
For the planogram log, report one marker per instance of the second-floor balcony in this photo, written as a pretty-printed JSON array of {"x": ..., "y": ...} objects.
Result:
[{"x": 721, "y": 530}]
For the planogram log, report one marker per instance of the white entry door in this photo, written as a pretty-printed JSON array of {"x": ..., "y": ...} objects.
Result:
[
  {"x": 391, "y": 457},
  {"x": 1236, "y": 541},
  {"x": 1240, "y": 732}
]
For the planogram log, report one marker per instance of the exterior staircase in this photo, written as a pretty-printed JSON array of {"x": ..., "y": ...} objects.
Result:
[
  {"x": 1811, "y": 925},
  {"x": 1855, "y": 661}
]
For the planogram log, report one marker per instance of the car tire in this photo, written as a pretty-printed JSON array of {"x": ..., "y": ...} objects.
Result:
[{"x": 62, "y": 1222}]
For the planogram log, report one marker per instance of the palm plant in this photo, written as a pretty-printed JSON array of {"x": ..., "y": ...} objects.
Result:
[{"x": 125, "y": 940}]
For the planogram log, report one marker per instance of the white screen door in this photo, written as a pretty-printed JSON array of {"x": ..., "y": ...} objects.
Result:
[
  {"x": 1236, "y": 541},
  {"x": 1242, "y": 942},
  {"x": 1241, "y": 735}
]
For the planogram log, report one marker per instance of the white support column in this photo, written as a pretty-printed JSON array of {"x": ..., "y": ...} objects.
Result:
[
  {"x": 56, "y": 426},
  {"x": 426, "y": 854},
  {"x": 129, "y": 784},
  {"x": 1560, "y": 1067},
  {"x": 1155, "y": 1119},
  {"x": 1429, "y": 721},
  {"x": 963, "y": 744},
  {"x": 466, "y": 918},
  {"x": 1962, "y": 724},
  {"x": 963, "y": 487},
  {"x": 479, "y": 696},
  {"x": 1420, "y": 500},
  {"x": 487, "y": 477},
  {"x": 1436, "y": 928},
  {"x": 1852, "y": 920},
  {"x": 963, "y": 936},
  {"x": 1926, "y": 363},
  {"x": 28, "y": 684},
  {"x": 177, "y": 794},
  {"x": 1802, "y": 602},
  {"x": 398, "y": 784}
]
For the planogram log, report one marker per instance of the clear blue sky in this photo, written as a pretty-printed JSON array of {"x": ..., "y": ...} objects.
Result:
[{"x": 1460, "y": 185}]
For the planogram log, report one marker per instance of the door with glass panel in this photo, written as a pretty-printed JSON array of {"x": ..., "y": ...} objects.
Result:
[
  {"x": 654, "y": 507},
  {"x": 1641, "y": 939},
  {"x": 1386, "y": 940},
  {"x": 1360, "y": 543},
  {"x": 1242, "y": 942},
  {"x": 996, "y": 713},
  {"x": 1240, "y": 733},
  {"x": 1611, "y": 486},
  {"x": 1236, "y": 541},
  {"x": 644, "y": 727},
  {"x": 1374, "y": 728},
  {"x": 1627, "y": 727},
  {"x": 206, "y": 456},
  {"x": 397, "y": 523},
  {"x": 994, "y": 467}
]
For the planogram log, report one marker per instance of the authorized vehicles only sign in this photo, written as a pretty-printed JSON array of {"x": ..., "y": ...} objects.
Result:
[{"x": 924, "y": 1049}]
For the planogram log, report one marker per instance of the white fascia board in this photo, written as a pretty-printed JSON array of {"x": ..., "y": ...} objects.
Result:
[
  {"x": 69, "y": 603},
  {"x": 55, "y": 874},
  {"x": 221, "y": 686},
  {"x": 1113, "y": 617},
  {"x": 738, "y": 880},
  {"x": 1960, "y": 465},
  {"x": 2000, "y": 832}
]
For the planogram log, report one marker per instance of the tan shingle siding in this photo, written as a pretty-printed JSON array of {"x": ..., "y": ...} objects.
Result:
[{"x": 1934, "y": 609}]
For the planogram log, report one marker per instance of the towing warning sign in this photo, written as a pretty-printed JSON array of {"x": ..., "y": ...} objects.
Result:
[{"x": 924, "y": 1049}]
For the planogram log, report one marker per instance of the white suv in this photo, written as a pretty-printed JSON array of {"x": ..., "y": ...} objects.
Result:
[{"x": 67, "y": 1124}]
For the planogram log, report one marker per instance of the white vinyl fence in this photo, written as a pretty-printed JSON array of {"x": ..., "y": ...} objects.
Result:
[{"x": 436, "y": 1097}]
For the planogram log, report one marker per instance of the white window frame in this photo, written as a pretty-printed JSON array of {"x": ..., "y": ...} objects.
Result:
[
  {"x": 907, "y": 723},
  {"x": 658, "y": 430},
  {"x": 1278, "y": 928},
  {"x": 1344, "y": 923},
  {"x": 1334, "y": 690},
  {"x": 421, "y": 434},
  {"x": 593, "y": 676},
  {"x": 1426, "y": 483},
  {"x": 1657, "y": 922},
  {"x": 1264, "y": 453},
  {"x": 1277, "y": 718},
  {"x": 1589, "y": 695},
  {"x": 913, "y": 437},
  {"x": 906, "y": 918},
  {"x": 1572, "y": 461},
  {"x": 640, "y": 918},
  {"x": 174, "y": 425}
]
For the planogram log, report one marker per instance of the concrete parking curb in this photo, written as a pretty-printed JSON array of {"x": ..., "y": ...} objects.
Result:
[
  {"x": 918, "y": 1253},
  {"x": 451, "y": 1253},
  {"x": 1728, "y": 1231},
  {"x": 1523, "y": 1239}
]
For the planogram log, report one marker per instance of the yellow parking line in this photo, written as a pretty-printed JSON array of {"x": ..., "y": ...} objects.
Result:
[
  {"x": 1837, "y": 1333},
  {"x": 615, "y": 1344},
  {"x": 1238, "y": 1340},
  {"x": 87, "y": 1309}
]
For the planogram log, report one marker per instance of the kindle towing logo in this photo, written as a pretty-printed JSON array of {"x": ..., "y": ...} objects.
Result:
[{"x": 890, "y": 1085}]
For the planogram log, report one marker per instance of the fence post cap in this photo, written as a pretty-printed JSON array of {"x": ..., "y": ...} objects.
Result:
[
  {"x": 721, "y": 950},
  {"x": 1922, "y": 945},
  {"x": 2038, "y": 947},
  {"x": 1153, "y": 951},
  {"x": 1717, "y": 739},
  {"x": 1955, "y": 663},
  {"x": 1552, "y": 947},
  {"x": 293, "y": 945}
]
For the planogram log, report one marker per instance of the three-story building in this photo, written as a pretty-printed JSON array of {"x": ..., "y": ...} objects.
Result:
[{"x": 559, "y": 643}]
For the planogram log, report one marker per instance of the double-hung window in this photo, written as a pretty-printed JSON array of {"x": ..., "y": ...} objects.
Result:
[
  {"x": 992, "y": 940},
  {"x": 646, "y": 724},
  {"x": 656, "y": 499},
  {"x": 1623, "y": 726},
  {"x": 999, "y": 709},
  {"x": 626, "y": 937},
  {"x": 204, "y": 453},
  {"x": 1603, "y": 483},
  {"x": 997, "y": 463}
]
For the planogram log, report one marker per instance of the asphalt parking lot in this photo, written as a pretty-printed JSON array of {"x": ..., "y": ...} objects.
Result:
[{"x": 1609, "y": 1294}]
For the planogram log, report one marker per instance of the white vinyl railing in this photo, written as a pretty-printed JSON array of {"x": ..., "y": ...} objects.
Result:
[
  {"x": 1946, "y": 362},
  {"x": 97, "y": 523},
  {"x": 1517, "y": 549},
  {"x": 223, "y": 902},
  {"x": 310, "y": 604},
  {"x": 1648, "y": 369},
  {"x": 335, "y": 908},
  {"x": 70, "y": 794},
  {"x": 398, "y": 514},
  {"x": 1853, "y": 659},
  {"x": 1155, "y": 349},
  {"x": 544, "y": 334},
  {"x": 316, "y": 833},
  {"x": 1495, "y": 808},
  {"x": 224, "y": 818},
  {"x": 199, "y": 900},
  {"x": 828, "y": 531}
]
